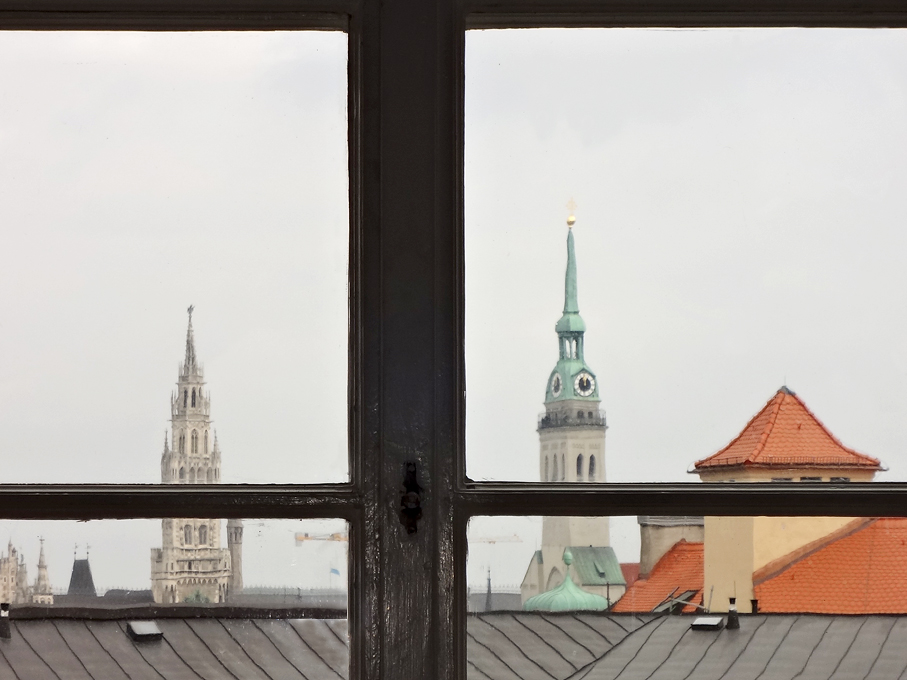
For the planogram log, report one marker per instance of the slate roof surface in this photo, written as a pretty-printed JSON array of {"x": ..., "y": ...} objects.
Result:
[
  {"x": 776, "y": 647},
  {"x": 785, "y": 433},
  {"x": 679, "y": 570},
  {"x": 861, "y": 571},
  {"x": 541, "y": 646},
  {"x": 502, "y": 646},
  {"x": 64, "y": 649}
]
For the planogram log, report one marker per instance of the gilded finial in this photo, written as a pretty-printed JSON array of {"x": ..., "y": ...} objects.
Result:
[{"x": 571, "y": 219}]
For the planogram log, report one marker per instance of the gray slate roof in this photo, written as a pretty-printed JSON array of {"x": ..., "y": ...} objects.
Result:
[
  {"x": 541, "y": 646},
  {"x": 211, "y": 649},
  {"x": 500, "y": 646},
  {"x": 768, "y": 647}
]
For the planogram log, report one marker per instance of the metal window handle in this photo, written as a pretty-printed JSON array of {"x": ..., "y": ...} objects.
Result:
[{"x": 410, "y": 500}]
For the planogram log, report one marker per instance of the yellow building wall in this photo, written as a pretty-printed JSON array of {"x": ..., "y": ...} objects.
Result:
[
  {"x": 729, "y": 560},
  {"x": 775, "y": 537}
]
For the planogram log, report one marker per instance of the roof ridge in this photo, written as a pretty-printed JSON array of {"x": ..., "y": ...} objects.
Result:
[
  {"x": 837, "y": 441},
  {"x": 661, "y": 618},
  {"x": 777, "y": 566},
  {"x": 741, "y": 433},
  {"x": 772, "y": 418}
]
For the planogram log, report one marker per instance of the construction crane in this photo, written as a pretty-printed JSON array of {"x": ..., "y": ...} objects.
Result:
[
  {"x": 302, "y": 537},
  {"x": 497, "y": 539}
]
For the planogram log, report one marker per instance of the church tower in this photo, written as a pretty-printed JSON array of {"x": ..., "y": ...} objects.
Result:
[
  {"x": 572, "y": 449},
  {"x": 190, "y": 565}
]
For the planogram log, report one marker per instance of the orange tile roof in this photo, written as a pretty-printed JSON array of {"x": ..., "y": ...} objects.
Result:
[
  {"x": 678, "y": 571},
  {"x": 863, "y": 572},
  {"x": 785, "y": 433}
]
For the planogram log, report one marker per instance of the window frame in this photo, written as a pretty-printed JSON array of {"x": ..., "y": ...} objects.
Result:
[{"x": 406, "y": 362}]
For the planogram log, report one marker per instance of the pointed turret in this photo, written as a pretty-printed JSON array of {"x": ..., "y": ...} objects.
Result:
[
  {"x": 190, "y": 363},
  {"x": 42, "y": 593}
]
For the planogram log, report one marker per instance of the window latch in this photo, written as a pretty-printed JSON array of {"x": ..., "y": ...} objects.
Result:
[{"x": 410, "y": 500}]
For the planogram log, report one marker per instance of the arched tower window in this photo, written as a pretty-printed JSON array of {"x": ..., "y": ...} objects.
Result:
[
  {"x": 579, "y": 467},
  {"x": 194, "y": 436},
  {"x": 206, "y": 442},
  {"x": 203, "y": 535},
  {"x": 182, "y": 474},
  {"x": 592, "y": 468},
  {"x": 182, "y": 442},
  {"x": 192, "y": 476},
  {"x": 210, "y": 475},
  {"x": 545, "y": 478},
  {"x": 554, "y": 476},
  {"x": 187, "y": 534},
  {"x": 563, "y": 467},
  {"x": 193, "y": 397},
  {"x": 185, "y": 398}
]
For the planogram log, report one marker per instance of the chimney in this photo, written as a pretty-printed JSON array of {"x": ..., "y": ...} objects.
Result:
[
  {"x": 5, "y": 632},
  {"x": 755, "y": 604},
  {"x": 733, "y": 620}
]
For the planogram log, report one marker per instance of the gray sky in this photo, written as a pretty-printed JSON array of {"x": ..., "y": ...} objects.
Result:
[
  {"x": 741, "y": 208},
  {"x": 741, "y": 201}
]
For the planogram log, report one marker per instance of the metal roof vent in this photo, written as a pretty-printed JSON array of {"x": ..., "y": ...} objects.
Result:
[
  {"x": 708, "y": 623},
  {"x": 144, "y": 631}
]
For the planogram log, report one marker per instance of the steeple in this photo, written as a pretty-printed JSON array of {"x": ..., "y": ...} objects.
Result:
[
  {"x": 571, "y": 379},
  {"x": 190, "y": 365},
  {"x": 42, "y": 583}
]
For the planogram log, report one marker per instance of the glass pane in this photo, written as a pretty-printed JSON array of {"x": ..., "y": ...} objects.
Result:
[
  {"x": 251, "y": 563},
  {"x": 655, "y": 564},
  {"x": 237, "y": 599},
  {"x": 147, "y": 173},
  {"x": 735, "y": 246}
]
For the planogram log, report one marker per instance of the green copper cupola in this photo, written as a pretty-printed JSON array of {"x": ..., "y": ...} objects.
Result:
[{"x": 571, "y": 378}]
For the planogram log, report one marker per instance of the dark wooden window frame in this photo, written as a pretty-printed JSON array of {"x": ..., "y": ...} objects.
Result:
[{"x": 406, "y": 403}]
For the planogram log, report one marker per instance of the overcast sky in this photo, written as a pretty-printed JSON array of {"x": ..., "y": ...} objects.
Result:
[{"x": 741, "y": 201}]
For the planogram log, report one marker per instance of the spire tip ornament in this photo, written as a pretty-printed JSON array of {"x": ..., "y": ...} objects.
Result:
[{"x": 571, "y": 218}]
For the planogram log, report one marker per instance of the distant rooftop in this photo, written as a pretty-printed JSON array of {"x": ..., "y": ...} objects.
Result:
[{"x": 785, "y": 433}]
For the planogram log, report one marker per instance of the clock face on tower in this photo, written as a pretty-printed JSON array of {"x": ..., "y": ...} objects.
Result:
[
  {"x": 584, "y": 384},
  {"x": 556, "y": 385}
]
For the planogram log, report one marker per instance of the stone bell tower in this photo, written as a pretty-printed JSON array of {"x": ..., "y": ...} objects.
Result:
[
  {"x": 190, "y": 565},
  {"x": 571, "y": 439}
]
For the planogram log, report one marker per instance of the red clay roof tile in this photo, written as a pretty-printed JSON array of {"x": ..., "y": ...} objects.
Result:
[
  {"x": 865, "y": 572},
  {"x": 678, "y": 571},
  {"x": 785, "y": 433}
]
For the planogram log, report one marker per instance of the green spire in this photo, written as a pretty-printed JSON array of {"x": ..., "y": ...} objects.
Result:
[
  {"x": 571, "y": 378},
  {"x": 571, "y": 305}
]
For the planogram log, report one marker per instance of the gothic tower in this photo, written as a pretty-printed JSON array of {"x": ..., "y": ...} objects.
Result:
[
  {"x": 234, "y": 545},
  {"x": 190, "y": 565},
  {"x": 42, "y": 593},
  {"x": 571, "y": 437}
]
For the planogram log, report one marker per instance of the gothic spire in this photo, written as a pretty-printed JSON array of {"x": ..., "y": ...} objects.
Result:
[
  {"x": 190, "y": 363},
  {"x": 571, "y": 321},
  {"x": 571, "y": 305}
]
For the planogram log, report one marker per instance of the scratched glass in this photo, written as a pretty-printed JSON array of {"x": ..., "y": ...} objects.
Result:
[
  {"x": 734, "y": 229},
  {"x": 146, "y": 174}
]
